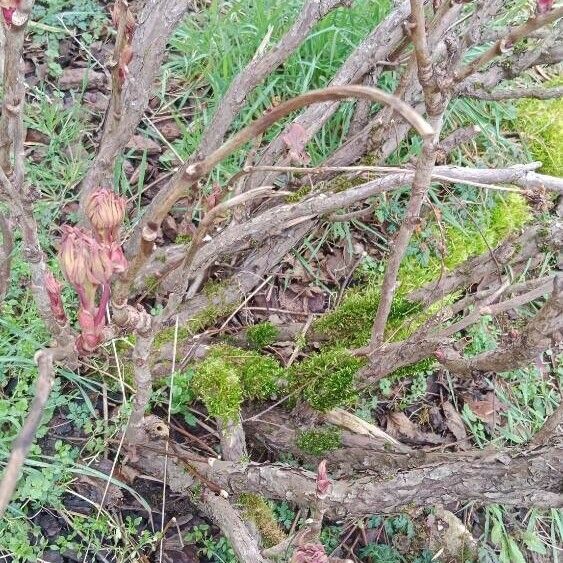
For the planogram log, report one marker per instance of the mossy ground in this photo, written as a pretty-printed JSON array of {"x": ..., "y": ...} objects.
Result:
[
  {"x": 350, "y": 323},
  {"x": 540, "y": 125}
]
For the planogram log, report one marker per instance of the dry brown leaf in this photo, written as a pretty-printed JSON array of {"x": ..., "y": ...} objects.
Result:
[
  {"x": 169, "y": 129},
  {"x": 73, "y": 78},
  {"x": 141, "y": 144},
  {"x": 400, "y": 426},
  {"x": 455, "y": 425},
  {"x": 295, "y": 140},
  {"x": 487, "y": 409}
]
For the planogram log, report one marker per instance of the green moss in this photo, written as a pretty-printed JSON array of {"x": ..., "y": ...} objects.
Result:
[
  {"x": 217, "y": 384},
  {"x": 167, "y": 335},
  {"x": 327, "y": 377},
  {"x": 350, "y": 323},
  {"x": 262, "y": 335},
  {"x": 195, "y": 325},
  {"x": 540, "y": 124},
  {"x": 213, "y": 288},
  {"x": 258, "y": 374},
  {"x": 183, "y": 239},
  {"x": 298, "y": 195},
  {"x": 256, "y": 509},
  {"x": 320, "y": 441},
  {"x": 151, "y": 284}
]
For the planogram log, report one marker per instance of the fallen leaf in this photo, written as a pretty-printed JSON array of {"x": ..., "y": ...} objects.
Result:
[
  {"x": 401, "y": 427},
  {"x": 73, "y": 78},
  {"x": 295, "y": 140},
  {"x": 141, "y": 144},
  {"x": 169, "y": 129},
  {"x": 170, "y": 228},
  {"x": 487, "y": 409},
  {"x": 455, "y": 425}
]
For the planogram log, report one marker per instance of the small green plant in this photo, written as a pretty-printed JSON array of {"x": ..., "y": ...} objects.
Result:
[
  {"x": 261, "y": 335},
  {"x": 182, "y": 394},
  {"x": 285, "y": 514},
  {"x": 380, "y": 553},
  {"x": 218, "y": 550},
  {"x": 328, "y": 378},
  {"x": 509, "y": 551},
  {"x": 319, "y": 441}
]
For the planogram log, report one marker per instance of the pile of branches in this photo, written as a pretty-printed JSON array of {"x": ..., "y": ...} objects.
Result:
[{"x": 432, "y": 47}]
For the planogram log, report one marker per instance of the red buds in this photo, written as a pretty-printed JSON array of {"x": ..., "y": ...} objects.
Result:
[
  {"x": 310, "y": 553},
  {"x": 89, "y": 261},
  {"x": 8, "y": 9},
  {"x": 105, "y": 211},
  {"x": 323, "y": 482},
  {"x": 53, "y": 288},
  {"x": 544, "y": 6},
  {"x": 121, "y": 16}
]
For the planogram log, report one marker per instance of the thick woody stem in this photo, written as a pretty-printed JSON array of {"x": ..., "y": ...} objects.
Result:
[
  {"x": 6, "y": 249},
  {"x": 538, "y": 92},
  {"x": 121, "y": 287},
  {"x": 143, "y": 383},
  {"x": 121, "y": 9},
  {"x": 219, "y": 510},
  {"x": 188, "y": 176},
  {"x": 20, "y": 448},
  {"x": 507, "y": 42},
  {"x": 156, "y": 22},
  {"x": 533, "y": 339},
  {"x": 14, "y": 91}
]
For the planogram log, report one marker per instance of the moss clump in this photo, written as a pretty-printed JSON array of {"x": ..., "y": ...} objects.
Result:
[
  {"x": 258, "y": 374},
  {"x": 217, "y": 384},
  {"x": 328, "y": 378},
  {"x": 540, "y": 124},
  {"x": 183, "y": 239},
  {"x": 201, "y": 321},
  {"x": 350, "y": 323},
  {"x": 298, "y": 195},
  {"x": 167, "y": 335},
  {"x": 256, "y": 509},
  {"x": 318, "y": 442},
  {"x": 261, "y": 335}
]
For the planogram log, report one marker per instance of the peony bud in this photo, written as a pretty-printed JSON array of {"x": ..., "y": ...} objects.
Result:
[
  {"x": 53, "y": 288},
  {"x": 323, "y": 482},
  {"x": 544, "y": 6},
  {"x": 125, "y": 58},
  {"x": 310, "y": 553},
  {"x": 105, "y": 211},
  {"x": 8, "y": 9},
  {"x": 117, "y": 258},
  {"x": 74, "y": 254},
  {"x": 100, "y": 268}
]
